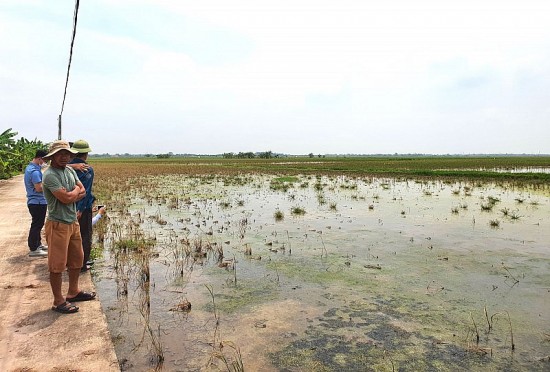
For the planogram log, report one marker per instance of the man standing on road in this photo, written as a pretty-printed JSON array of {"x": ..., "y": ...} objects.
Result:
[
  {"x": 62, "y": 190},
  {"x": 85, "y": 174},
  {"x": 37, "y": 204}
]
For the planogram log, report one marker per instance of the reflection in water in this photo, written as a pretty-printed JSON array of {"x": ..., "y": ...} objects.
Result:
[
  {"x": 144, "y": 299},
  {"x": 131, "y": 261}
]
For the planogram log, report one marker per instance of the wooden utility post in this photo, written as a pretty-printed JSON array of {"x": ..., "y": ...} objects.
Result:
[{"x": 59, "y": 128}]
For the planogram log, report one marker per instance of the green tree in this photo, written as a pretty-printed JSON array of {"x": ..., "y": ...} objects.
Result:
[
  {"x": 265, "y": 155},
  {"x": 246, "y": 155},
  {"x": 15, "y": 154}
]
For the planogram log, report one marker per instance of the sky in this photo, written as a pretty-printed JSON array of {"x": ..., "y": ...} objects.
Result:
[{"x": 287, "y": 76}]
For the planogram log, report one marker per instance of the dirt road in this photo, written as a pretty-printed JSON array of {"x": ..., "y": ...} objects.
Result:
[{"x": 32, "y": 336}]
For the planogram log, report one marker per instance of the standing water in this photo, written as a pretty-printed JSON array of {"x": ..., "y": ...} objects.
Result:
[{"x": 326, "y": 274}]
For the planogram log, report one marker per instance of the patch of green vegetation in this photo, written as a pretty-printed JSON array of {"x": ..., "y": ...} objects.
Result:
[
  {"x": 96, "y": 252},
  {"x": 301, "y": 358},
  {"x": 377, "y": 344},
  {"x": 321, "y": 199},
  {"x": 239, "y": 180},
  {"x": 283, "y": 183},
  {"x": 348, "y": 187},
  {"x": 225, "y": 204},
  {"x": 132, "y": 244},
  {"x": 288, "y": 179},
  {"x": 277, "y": 186},
  {"x": 244, "y": 295},
  {"x": 279, "y": 215},
  {"x": 297, "y": 211},
  {"x": 486, "y": 207},
  {"x": 322, "y": 271}
]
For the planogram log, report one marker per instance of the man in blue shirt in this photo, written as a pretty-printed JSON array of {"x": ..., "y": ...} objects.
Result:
[
  {"x": 85, "y": 174},
  {"x": 36, "y": 203}
]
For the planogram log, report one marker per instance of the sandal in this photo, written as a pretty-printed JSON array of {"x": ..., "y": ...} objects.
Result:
[
  {"x": 82, "y": 296},
  {"x": 65, "y": 308}
]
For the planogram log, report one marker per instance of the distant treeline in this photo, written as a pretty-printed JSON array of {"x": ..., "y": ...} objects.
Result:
[{"x": 271, "y": 155}]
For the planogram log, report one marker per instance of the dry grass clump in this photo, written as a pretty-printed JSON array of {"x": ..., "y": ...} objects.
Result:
[
  {"x": 298, "y": 211},
  {"x": 278, "y": 215}
]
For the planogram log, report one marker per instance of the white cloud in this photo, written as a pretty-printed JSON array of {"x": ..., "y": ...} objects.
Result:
[{"x": 324, "y": 76}]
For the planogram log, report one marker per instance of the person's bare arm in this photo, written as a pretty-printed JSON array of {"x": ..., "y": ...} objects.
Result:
[
  {"x": 83, "y": 167},
  {"x": 81, "y": 192},
  {"x": 67, "y": 197},
  {"x": 38, "y": 187}
]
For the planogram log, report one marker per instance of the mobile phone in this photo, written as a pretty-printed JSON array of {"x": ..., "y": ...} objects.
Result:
[{"x": 100, "y": 206}]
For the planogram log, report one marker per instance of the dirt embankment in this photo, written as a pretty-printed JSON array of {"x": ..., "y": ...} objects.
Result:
[{"x": 32, "y": 336}]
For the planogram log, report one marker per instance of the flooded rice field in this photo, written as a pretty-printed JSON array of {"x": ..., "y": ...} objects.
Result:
[{"x": 326, "y": 274}]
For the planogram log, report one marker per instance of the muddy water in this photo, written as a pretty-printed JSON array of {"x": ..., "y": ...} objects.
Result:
[{"x": 375, "y": 275}]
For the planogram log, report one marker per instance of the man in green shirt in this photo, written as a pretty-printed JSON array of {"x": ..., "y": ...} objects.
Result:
[{"x": 62, "y": 190}]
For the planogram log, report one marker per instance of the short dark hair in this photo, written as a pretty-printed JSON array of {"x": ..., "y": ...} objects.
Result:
[{"x": 40, "y": 154}]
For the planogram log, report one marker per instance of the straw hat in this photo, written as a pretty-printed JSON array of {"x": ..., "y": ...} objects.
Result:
[{"x": 57, "y": 146}]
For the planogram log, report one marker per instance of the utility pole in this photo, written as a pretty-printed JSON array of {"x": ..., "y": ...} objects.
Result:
[{"x": 59, "y": 128}]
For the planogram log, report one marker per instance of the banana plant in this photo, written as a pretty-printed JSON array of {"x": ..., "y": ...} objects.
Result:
[{"x": 15, "y": 154}]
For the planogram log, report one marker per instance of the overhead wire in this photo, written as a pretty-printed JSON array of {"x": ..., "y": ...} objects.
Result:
[{"x": 75, "y": 19}]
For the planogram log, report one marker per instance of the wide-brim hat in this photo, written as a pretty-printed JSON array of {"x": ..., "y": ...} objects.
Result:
[
  {"x": 57, "y": 146},
  {"x": 81, "y": 147}
]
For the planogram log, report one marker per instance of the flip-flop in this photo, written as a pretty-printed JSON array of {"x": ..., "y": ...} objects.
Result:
[
  {"x": 65, "y": 308},
  {"x": 82, "y": 296}
]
